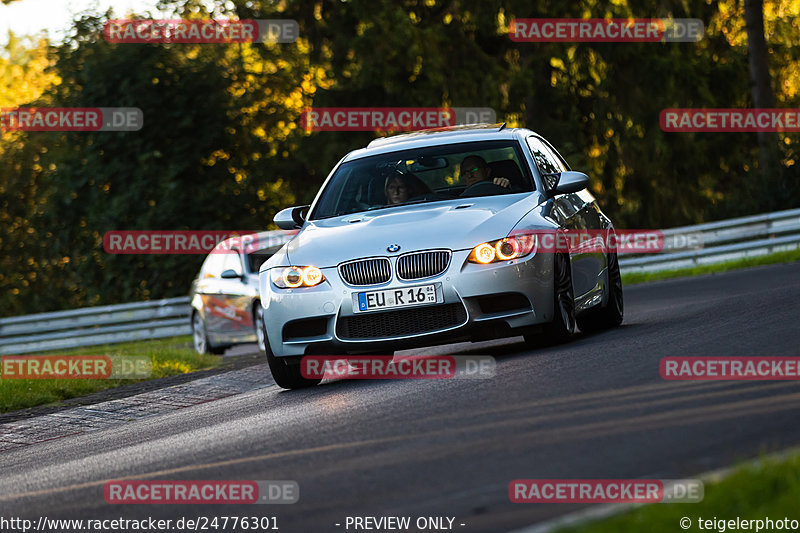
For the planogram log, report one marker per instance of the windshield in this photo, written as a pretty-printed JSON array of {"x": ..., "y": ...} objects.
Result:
[{"x": 422, "y": 175}]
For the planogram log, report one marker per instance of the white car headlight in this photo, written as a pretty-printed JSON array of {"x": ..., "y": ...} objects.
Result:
[
  {"x": 503, "y": 249},
  {"x": 296, "y": 276}
]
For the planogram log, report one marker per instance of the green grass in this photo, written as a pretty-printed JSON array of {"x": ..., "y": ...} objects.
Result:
[
  {"x": 769, "y": 488},
  {"x": 767, "y": 259},
  {"x": 169, "y": 357}
]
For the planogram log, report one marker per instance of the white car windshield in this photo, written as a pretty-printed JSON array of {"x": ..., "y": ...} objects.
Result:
[{"x": 422, "y": 175}]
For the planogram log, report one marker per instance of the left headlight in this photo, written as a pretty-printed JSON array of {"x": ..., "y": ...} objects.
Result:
[
  {"x": 503, "y": 249},
  {"x": 297, "y": 276}
]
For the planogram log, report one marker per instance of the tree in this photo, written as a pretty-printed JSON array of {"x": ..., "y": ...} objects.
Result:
[
  {"x": 222, "y": 147},
  {"x": 763, "y": 95},
  {"x": 24, "y": 77}
]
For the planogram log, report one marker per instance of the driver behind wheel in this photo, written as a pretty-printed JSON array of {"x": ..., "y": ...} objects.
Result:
[
  {"x": 475, "y": 169},
  {"x": 402, "y": 186}
]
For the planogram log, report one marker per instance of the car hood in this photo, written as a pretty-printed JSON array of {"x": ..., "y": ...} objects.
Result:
[{"x": 458, "y": 224}]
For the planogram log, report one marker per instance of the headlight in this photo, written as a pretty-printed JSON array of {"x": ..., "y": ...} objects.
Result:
[
  {"x": 503, "y": 249},
  {"x": 297, "y": 276}
]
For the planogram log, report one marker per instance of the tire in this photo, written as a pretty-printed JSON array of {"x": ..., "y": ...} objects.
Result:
[
  {"x": 285, "y": 376},
  {"x": 610, "y": 314},
  {"x": 562, "y": 327},
  {"x": 200, "y": 338},
  {"x": 261, "y": 331}
]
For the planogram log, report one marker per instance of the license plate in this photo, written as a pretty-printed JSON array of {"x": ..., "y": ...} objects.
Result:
[{"x": 399, "y": 297}]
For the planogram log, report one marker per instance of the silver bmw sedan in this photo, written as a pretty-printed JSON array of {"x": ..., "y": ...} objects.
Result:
[{"x": 435, "y": 237}]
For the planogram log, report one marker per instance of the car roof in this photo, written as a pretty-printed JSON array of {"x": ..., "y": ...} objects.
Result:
[{"x": 439, "y": 136}]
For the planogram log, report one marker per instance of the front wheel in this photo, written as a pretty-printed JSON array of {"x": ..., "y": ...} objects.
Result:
[
  {"x": 200, "y": 338},
  {"x": 285, "y": 376},
  {"x": 610, "y": 314},
  {"x": 562, "y": 326}
]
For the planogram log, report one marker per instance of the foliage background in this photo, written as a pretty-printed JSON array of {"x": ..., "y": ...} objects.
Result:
[{"x": 221, "y": 147}]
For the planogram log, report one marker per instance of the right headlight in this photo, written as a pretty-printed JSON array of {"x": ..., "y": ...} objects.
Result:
[{"x": 293, "y": 277}]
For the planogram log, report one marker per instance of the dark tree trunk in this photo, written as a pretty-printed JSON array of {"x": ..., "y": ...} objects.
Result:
[{"x": 761, "y": 83}]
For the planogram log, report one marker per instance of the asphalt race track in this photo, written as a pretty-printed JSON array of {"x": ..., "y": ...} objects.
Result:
[{"x": 594, "y": 408}]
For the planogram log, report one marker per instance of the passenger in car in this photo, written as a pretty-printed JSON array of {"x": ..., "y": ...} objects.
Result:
[
  {"x": 400, "y": 187},
  {"x": 475, "y": 169}
]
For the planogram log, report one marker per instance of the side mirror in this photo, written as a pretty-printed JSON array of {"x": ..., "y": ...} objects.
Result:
[
  {"x": 570, "y": 181},
  {"x": 291, "y": 217},
  {"x": 230, "y": 274}
]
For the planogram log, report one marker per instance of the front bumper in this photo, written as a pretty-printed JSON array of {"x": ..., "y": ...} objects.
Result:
[{"x": 478, "y": 302}]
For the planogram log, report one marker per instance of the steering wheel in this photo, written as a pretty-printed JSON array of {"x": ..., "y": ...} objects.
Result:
[{"x": 484, "y": 188}]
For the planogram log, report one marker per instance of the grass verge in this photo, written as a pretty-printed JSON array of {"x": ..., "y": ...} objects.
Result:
[
  {"x": 767, "y": 489},
  {"x": 169, "y": 356},
  {"x": 632, "y": 278}
]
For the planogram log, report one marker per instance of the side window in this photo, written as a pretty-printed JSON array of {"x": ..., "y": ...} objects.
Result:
[
  {"x": 232, "y": 262},
  {"x": 557, "y": 159},
  {"x": 546, "y": 161}
]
